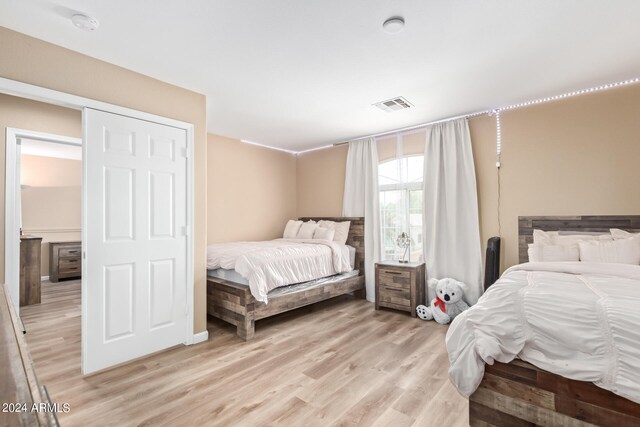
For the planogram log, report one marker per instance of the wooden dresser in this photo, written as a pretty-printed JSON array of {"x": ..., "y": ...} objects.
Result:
[
  {"x": 400, "y": 285},
  {"x": 30, "y": 253},
  {"x": 65, "y": 260}
]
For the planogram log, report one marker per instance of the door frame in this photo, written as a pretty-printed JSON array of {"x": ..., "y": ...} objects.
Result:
[
  {"x": 11, "y": 218},
  {"x": 49, "y": 96}
]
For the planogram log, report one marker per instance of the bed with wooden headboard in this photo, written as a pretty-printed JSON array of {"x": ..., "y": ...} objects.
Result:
[
  {"x": 518, "y": 393},
  {"x": 233, "y": 302}
]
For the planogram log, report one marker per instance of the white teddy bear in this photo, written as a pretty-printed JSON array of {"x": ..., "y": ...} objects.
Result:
[{"x": 448, "y": 302}]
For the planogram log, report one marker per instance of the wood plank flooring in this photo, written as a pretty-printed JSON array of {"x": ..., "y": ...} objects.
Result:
[{"x": 338, "y": 362}]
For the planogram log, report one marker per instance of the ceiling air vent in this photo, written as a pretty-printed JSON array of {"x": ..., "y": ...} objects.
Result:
[{"x": 393, "y": 104}]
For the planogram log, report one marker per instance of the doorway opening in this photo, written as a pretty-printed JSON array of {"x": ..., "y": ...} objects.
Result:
[
  {"x": 43, "y": 212},
  {"x": 49, "y": 202}
]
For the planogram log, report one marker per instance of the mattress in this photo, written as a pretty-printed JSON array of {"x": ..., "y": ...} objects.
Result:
[
  {"x": 281, "y": 262},
  {"x": 579, "y": 320},
  {"x": 235, "y": 277}
]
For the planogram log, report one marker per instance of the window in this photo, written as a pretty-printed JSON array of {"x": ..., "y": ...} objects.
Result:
[{"x": 400, "y": 184}]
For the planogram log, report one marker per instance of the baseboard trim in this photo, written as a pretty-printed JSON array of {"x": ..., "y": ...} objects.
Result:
[{"x": 200, "y": 337}]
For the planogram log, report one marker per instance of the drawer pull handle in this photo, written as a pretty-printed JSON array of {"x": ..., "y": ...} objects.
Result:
[
  {"x": 392, "y": 272},
  {"x": 73, "y": 252},
  {"x": 394, "y": 289}
]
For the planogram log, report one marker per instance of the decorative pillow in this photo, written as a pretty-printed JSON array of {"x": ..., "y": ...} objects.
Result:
[
  {"x": 341, "y": 230},
  {"x": 553, "y": 253},
  {"x": 322, "y": 233},
  {"x": 292, "y": 228},
  {"x": 624, "y": 251},
  {"x": 307, "y": 229},
  {"x": 616, "y": 233}
]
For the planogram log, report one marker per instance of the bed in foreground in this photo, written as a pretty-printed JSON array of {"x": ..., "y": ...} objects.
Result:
[
  {"x": 561, "y": 340},
  {"x": 232, "y": 300}
]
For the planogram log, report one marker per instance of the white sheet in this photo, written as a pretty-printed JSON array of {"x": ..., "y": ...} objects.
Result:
[
  {"x": 575, "y": 319},
  {"x": 271, "y": 264}
]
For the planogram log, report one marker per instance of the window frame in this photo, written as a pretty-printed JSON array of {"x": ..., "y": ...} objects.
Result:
[{"x": 406, "y": 188}]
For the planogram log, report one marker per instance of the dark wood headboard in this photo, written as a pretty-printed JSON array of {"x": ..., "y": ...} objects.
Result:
[
  {"x": 592, "y": 223},
  {"x": 355, "y": 238}
]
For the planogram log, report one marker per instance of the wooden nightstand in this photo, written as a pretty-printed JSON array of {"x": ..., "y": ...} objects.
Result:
[
  {"x": 400, "y": 285},
  {"x": 64, "y": 260}
]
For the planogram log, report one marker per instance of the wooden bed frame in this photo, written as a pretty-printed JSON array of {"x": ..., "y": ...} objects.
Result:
[
  {"x": 233, "y": 302},
  {"x": 519, "y": 394}
]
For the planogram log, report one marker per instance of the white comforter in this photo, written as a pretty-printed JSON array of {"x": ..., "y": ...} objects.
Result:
[
  {"x": 578, "y": 320},
  {"x": 271, "y": 264}
]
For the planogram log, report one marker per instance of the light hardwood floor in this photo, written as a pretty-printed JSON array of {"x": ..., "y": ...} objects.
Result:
[{"x": 339, "y": 362}]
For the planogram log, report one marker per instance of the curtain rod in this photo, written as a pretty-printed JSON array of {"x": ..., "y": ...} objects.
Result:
[{"x": 417, "y": 127}]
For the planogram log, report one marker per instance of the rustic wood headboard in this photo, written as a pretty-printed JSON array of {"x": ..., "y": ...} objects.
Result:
[
  {"x": 592, "y": 223},
  {"x": 355, "y": 239}
]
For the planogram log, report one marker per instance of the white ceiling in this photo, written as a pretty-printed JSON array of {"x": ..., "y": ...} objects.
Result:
[{"x": 302, "y": 74}]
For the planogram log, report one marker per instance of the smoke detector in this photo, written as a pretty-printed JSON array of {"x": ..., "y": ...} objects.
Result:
[
  {"x": 85, "y": 22},
  {"x": 393, "y": 104},
  {"x": 395, "y": 24}
]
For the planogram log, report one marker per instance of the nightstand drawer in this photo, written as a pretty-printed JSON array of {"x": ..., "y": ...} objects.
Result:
[
  {"x": 75, "y": 271},
  {"x": 388, "y": 291},
  {"x": 396, "y": 302},
  {"x": 72, "y": 251},
  {"x": 68, "y": 262},
  {"x": 394, "y": 273},
  {"x": 397, "y": 279}
]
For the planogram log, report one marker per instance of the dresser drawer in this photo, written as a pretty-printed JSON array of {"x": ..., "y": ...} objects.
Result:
[{"x": 73, "y": 251}]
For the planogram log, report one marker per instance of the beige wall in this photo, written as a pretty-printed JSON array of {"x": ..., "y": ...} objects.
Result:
[
  {"x": 43, "y": 171},
  {"x": 578, "y": 156},
  {"x": 252, "y": 191},
  {"x": 51, "y": 201},
  {"x": 320, "y": 176},
  {"x": 33, "y": 61}
]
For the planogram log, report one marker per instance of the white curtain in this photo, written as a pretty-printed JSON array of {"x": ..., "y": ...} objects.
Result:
[
  {"x": 361, "y": 200},
  {"x": 451, "y": 227}
]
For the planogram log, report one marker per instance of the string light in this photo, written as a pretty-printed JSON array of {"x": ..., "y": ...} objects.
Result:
[
  {"x": 570, "y": 94},
  {"x": 498, "y": 139}
]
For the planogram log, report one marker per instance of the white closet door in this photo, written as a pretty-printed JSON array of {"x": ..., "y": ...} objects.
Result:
[{"x": 135, "y": 247}]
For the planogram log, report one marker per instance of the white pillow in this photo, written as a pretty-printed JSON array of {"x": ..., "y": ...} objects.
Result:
[
  {"x": 624, "y": 251},
  {"x": 292, "y": 228},
  {"x": 544, "y": 237},
  {"x": 616, "y": 233},
  {"x": 553, "y": 253},
  {"x": 322, "y": 233},
  {"x": 556, "y": 238},
  {"x": 307, "y": 229},
  {"x": 574, "y": 239},
  {"x": 341, "y": 230}
]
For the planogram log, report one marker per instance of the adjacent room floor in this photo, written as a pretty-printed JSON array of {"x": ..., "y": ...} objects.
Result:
[{"x": 339, "y": 362}]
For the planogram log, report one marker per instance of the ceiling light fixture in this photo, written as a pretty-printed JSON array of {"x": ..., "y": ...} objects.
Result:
[
  {"x": 84, "y": 22},
  {"x": 393, "y": 25}
]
